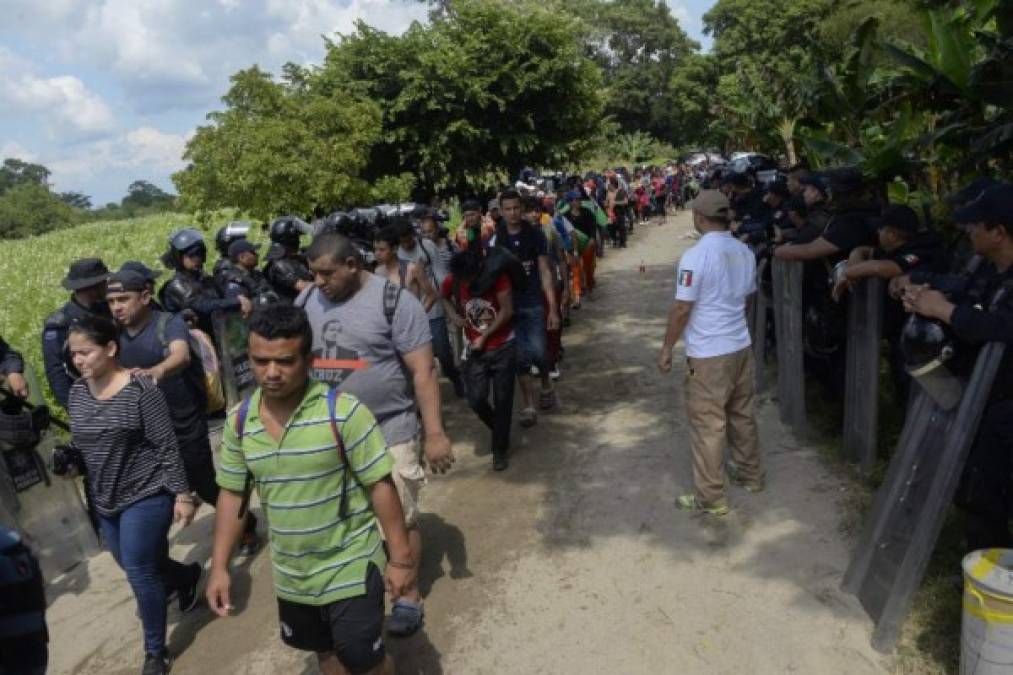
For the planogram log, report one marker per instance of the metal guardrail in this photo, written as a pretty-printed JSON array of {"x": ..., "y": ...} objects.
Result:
[
  {"x": 861, "y": 387},
  {"x": 787, "y": 299}
]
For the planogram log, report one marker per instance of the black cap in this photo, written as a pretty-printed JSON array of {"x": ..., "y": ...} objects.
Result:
[
  {"x": 241, "y": 246},
  {"x": 140, "y": 268},
  {"x": 127, "y": 281},
  {"x": 970, "y": 191},
  {"x": 815, "y": 180},
  {"x": 471, "y": 205},
  {"x": 994, "y": 206},
  {"x": 85, "y": 273},
  {"x": 844, "y": 179},
  {"x": 900, "y": 217},
  {"x": 778, "y": 188},
  {"x": 735, "y": 179}
]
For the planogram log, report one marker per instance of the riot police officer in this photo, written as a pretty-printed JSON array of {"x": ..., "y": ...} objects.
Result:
[
  {"x": 979, "y": 311},
  {"x": 224, "y": 268},
  {"x": 190, "y": 288},
  {"x": 286, "y": 269},
  {"x": 243, "y": 277},
  {"x": 86, "y": 280}
]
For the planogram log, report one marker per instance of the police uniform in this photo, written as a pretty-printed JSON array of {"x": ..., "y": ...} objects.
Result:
[
  {"x": 60, "y": 371},
  {"x": 195, "y": 291},
  {"x": 10, "y": 360},
  {"x": 284, "y": 270}
]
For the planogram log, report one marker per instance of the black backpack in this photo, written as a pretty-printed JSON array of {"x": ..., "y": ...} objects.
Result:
[{"x": 193, "y": 374}]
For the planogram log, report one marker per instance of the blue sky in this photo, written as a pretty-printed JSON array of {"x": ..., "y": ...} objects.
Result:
[{"x": 104, "y": 92}]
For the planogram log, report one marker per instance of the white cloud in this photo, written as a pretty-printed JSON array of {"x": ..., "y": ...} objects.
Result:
[
  {"x": 17, "y": 151},
  {"x": 68, "y": 108},
  {"x": 146, "y": 150}
]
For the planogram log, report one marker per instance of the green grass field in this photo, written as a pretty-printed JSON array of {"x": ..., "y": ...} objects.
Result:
[{"x": 33, "y": 268}]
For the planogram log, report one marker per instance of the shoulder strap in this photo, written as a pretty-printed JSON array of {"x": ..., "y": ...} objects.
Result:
[
  {"x": 244, "y": 410},
  {"x": 391, "y": 296},
  {"x": 160, "y": 329},
  {"x": 402, "y": 272},
  {"x": 339, "y": 443}
]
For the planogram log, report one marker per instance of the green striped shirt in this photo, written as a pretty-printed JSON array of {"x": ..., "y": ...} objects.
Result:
[{"x": 318, "y": 557}]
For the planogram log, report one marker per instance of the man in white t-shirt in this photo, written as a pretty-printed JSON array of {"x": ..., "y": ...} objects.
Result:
[{"x": 716, "y": 278}]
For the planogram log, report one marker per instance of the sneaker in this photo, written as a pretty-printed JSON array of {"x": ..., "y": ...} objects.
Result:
[
  {"x": 528, "y": 417},
  {"x": 157, "y": 664},
  {"x": 732, "y": 469},
  {"x": 555, "y": 373},
  {"x": 188, "y": 595},
  {"x": 500, "y": 462},
  {"x": 691, "y": 503},
  {"x": 249, "y": 544}
]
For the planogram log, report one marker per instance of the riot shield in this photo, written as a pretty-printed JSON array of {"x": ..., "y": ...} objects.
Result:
[
  {"x": 787, "y": 300},
  {"x": 758, "y": 323},
  {"x": 230, "y": 340},
  {"x": 49, "y": 511},
  {"x": 861, "y": 381},
  {"x": 901, "y": 530}
]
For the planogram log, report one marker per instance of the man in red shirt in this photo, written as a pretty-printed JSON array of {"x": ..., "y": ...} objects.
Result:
[{"x": 478, "y": 297}]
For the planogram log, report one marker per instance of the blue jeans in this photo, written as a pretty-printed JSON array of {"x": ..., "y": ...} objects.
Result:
[
  {"x": 529, "y": 331},
  {"x": 444, "y": 352},
  {"x": 138, "y": 539}
]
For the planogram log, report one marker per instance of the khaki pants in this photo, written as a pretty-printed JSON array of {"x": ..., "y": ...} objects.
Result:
[{"x": 720, "y": 408}]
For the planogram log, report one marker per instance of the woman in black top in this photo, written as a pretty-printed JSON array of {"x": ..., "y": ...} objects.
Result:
[{"x": 121, "y": 426}]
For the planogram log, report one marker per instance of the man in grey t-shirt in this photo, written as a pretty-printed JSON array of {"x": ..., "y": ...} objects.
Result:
[
  {"x": 380, "y": 350},
  {"x": 424, "y": 253}
]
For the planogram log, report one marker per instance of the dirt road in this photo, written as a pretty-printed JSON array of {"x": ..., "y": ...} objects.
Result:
[{"x": 575, "y": 560}]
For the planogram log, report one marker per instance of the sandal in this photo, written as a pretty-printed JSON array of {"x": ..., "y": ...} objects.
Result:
[
  {"x": 547, "y": 400},
  {"x": 405, "y": 618}
]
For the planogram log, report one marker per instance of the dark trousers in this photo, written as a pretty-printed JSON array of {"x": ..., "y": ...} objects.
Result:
[
  {"x": 495, "y": 369},
  {"x": 985, "y": 488},
  {"x": 137, "y": 539},
  {"x": 444, "y": 352},
  {"x": 200, "y": 476}
]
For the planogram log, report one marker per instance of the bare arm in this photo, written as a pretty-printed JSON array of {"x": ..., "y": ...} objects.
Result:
[
  {"x": 884, "y": 269},
  {"x": 820, "y": 248},
  {"x": 678, "y": 317},
  {"x": 506, "y": 312},
  {"x": 422, "y": 366},
  {"x": 228, "y": 528},
  {"x": 549, "y": 290},
  {"x": 428, "y": 293},
  {"x": 387, "y": 507}
]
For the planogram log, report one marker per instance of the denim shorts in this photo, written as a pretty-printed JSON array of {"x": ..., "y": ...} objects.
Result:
[{"x": 530, "y": 336}]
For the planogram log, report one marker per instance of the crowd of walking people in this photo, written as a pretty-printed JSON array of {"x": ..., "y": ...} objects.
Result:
[
  {"x": 345, "y": 413},
  {"x": 350, "y": 335}
]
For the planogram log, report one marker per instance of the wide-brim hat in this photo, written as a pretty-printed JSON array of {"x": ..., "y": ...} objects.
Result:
[{"x": 85, "y": 273}]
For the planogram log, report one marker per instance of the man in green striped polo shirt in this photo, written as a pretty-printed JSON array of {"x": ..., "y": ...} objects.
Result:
[{"x": 322, "y": 511}]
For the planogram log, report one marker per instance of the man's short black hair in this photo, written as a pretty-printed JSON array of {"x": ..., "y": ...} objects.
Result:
[
  {"x": 336, "y": 246},
  {"x": 281, "y": 322},
  {"x": 509, "y": 194},
  {"x": 530, "y": 203},
  {"x": 391, "y": 235}
]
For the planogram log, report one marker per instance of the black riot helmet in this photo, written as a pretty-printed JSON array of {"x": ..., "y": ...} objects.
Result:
[
  {"x": 339, "y": 221},
  {"x": 187, "y": 241},
  {"x": 286, "y": 231},
  {"x": 237, "y": 229},
  {"x": 928, "y": 348}
]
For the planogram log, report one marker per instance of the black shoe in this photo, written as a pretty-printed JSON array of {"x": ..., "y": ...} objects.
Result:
[
  {"x": 157, "y": 664},
  {"x": 499, "y": 462},
  {"x": 188, "y": 595}
]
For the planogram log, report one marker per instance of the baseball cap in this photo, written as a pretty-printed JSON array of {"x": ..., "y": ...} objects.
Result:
[
  {"x": 993, "y": 206},
  {"x": 471, "y": 205},
  {"x": 778, "y": 188},
  {"x": 140, "y": 268},
  {"x": 712, "y": 204},
  {"x": 240, "y": 246},
  {"x": 815, "y": 180},
  {"x": 899, "y": 217},
  {"x": 127, "y": 281},
  {"x": 572, "y": 194},
  {"x": 971, "y": 190}
]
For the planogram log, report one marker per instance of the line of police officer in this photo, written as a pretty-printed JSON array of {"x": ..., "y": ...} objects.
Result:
[{"x": 944, "y": 302}]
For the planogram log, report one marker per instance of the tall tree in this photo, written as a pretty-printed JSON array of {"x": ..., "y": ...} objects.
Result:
[
  {"x": 279, "y": 148},
  {"x": 19, "y": 172},
  {"x": 639, "y": 45},
  {"x": 473, "y": 96}
]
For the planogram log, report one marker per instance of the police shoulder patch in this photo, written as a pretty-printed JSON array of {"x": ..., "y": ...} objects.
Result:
[
  {"x": 911, "y": 259},
  {"x": 686, "y": 278},
  {"x": 50, "y": 335}
]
